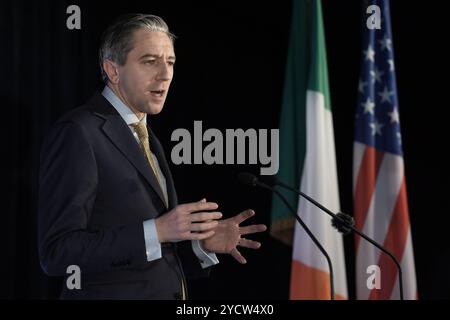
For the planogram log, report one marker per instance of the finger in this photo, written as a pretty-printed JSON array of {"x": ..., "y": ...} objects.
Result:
[
  {"x": 247, "y": 243},
  {"x": 254, "y": 228},
  {"x": 203, "y": 226},
  {"x": 200, "y": 235},
  {"x": 244, "y": 215},
  {"x": 199, "y": 206},
  {"x": 238, "y": 256},
  {"x": 204, "y": 216}
]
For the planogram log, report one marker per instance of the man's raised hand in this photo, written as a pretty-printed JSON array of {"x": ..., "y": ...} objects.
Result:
[{"x": 189, "y": 221}]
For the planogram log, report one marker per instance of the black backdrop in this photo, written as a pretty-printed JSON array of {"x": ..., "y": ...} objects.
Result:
[{"x": 229, "y": 74}]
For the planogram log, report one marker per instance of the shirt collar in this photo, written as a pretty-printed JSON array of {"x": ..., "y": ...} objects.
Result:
[{"x": 125, "y": 112}]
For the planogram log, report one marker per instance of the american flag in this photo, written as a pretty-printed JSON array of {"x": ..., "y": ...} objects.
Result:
[{"x": 379, "y": 189}]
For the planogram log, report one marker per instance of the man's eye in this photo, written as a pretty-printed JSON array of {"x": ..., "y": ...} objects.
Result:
[
  {"x": 171, "y": 63},
  {"x": 149, "y": 61}
]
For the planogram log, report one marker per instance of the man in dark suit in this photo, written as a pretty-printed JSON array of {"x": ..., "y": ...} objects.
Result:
[{"x": 107, "y": 201}]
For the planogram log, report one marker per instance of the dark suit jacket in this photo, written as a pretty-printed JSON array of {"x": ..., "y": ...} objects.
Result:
[{"x": 95, "y": 190}]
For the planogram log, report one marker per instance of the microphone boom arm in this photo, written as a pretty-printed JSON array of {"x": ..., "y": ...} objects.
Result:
[
  {"x": 307, "y": 230},
  {"x": 340, "y": 222}
]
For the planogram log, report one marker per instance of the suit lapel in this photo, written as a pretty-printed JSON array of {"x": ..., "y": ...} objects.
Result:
[{"x": 120, "y": 135}]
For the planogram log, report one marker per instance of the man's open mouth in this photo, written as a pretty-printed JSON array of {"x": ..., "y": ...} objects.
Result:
[{"x": 157, "y": 93}]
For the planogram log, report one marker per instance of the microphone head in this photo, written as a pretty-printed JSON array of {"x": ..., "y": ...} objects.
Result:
[{"x": 247, "y": 178}]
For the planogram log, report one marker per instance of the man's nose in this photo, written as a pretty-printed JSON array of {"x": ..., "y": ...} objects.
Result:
[{"x": 164, "y": 72}]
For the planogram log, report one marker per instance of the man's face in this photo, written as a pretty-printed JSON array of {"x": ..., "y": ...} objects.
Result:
[{"x": 145, "y": 77}]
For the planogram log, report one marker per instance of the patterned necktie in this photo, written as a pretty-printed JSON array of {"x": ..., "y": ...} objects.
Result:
[{"x": 141, "y": 130}]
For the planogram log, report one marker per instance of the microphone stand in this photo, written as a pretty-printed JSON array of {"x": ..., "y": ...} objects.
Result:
[
  {"x": 344, "y": 224},
  {"x": 253, "y": 181}
]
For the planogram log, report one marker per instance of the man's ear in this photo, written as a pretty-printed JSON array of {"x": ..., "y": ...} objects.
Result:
[{"x": 111, "y": 70}]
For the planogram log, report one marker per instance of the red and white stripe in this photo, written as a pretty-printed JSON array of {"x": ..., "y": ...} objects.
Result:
[{"x": 381, "y": 212}]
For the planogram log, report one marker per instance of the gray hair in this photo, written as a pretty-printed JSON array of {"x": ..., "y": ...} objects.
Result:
[{"x": 117, "y": 40}]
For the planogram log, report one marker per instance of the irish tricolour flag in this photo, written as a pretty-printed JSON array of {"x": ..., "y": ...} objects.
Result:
[{"x": 307, "y": 159}]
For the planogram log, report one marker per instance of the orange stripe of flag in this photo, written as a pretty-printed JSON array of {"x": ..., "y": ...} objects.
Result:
[{"x": 309, "y": 283}]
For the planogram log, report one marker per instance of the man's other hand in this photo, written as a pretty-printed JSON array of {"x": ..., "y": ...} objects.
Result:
[{"x": 228, "y": 234}]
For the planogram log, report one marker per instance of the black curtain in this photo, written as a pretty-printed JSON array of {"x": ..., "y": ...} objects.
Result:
[
  {"x": 47, "y": 70},
  {"x": 230, "y": 69}
]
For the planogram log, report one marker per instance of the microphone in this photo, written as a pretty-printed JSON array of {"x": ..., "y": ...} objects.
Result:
[
  {"x": 343, "y": 222},
  {"x": 251, "y": 180}
]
